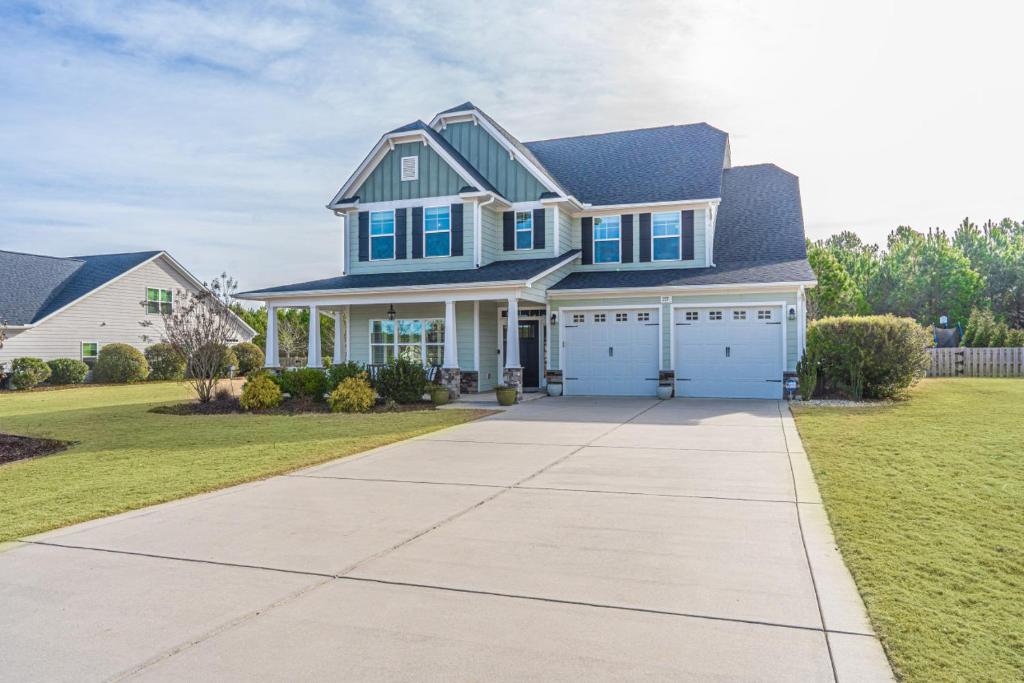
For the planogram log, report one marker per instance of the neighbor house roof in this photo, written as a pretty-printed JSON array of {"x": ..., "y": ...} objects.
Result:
[
  {"x": 759, "y": 238},
  {"x": 519, "y": 270},
  {"x": 33, "y": 286}
]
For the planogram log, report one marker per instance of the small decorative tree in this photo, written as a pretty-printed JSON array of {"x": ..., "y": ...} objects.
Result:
[
  {"x": 200, "y": 325},
  {"x": 3, "y": 332}
]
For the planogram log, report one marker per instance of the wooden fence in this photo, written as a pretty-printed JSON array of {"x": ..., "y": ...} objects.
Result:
[{"x": 1001, "y": 362}]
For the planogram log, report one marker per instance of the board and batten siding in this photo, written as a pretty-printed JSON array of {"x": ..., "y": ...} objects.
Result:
[
  {"x": 509, "y": 177},
  {"x": 113, "y": 313},
  {"x": 698, "y": 261},
  {"x": 789, "y": 298},
  {"x": 436, "y": 177},
  {"x": 410, "y": 264}
]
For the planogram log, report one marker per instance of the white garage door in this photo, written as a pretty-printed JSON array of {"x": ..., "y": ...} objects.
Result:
[
  {"x": 733, "y": 352},
  {"x": 611, "y": 352}
]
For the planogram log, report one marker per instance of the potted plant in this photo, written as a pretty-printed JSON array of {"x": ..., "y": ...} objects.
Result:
[
  {"x": 439, "y": 395},
  {"x": 506, "y": 395},
  {"x": 554, "y": 381},
  {"x": 664, "y": 391}
]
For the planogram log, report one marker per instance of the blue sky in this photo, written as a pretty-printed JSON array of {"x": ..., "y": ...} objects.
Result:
[{"x": 218, "y": 131}]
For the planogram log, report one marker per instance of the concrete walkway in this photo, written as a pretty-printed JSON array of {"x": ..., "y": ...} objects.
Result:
[{"x": 565, "y": 539}]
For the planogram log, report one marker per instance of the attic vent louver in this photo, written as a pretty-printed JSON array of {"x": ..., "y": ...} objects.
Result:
[{"x": 410, "y": 168}]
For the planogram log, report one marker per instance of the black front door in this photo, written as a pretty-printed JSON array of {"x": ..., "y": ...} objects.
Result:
[{"x": 529, "y": 351}]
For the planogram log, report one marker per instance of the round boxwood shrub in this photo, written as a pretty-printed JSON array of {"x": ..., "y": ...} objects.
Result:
[
  {"x": 67, "y": 371},
  {"x": 401, "y": 381},
  {"x": 352, "y": 395},
  {"x": 28, "y": 372},
  {"x": 304, "y": 383},
  {"x": 337, "y": 374},
  {"x": 878, "y": 356},
  {"x": 120, "y": 364},
  {"x": 260, "y": 393},
  {"x": 165, "y": 362},
  {"x": 250, "y": 357}
]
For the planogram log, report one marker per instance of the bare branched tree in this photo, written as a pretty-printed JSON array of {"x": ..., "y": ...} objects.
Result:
[
  {"x": 200, "y": 325},
  {"x": 292, "y": 339}
]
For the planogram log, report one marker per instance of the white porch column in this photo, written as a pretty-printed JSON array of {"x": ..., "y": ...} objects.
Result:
[
  {"x": 451, "y": 353},
  {"x": 313, "y": 359},
  {"x": 271, "y": 360},
  {"x": 512, "y": 334},
  {"x": 337, "y": 336}
]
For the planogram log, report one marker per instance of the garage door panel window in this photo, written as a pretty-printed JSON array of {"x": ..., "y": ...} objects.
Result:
[
  {"x": 691, "y": 316},
  {"x": 607, "y": 239},
  {"x": 599, "y": 317},
  {"x": 666, "y": 236},
  {"x": 764, "y": 314},
  {"x": 578, "y": 318},
  {"x": 714, "y": 315},
  {"x": 739, "y": 315}
]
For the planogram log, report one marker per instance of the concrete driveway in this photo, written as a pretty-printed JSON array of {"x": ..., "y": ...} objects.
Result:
[{"x": 563, "y": 539}]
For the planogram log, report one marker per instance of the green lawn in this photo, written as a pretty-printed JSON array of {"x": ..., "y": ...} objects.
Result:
[
  {"x": 927, "y": 501},
  {"x": 127, "y": 457}
]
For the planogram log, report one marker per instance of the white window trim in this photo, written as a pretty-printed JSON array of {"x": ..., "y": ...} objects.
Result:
[
  {"x": 81, "y": 350},
  {"x": 415, "y": 169},
  {"x": 517, "y": 230},
  {"x": 158, "y": 289},
  {"x": 678, "y": 236},
  {"x": 395, "y": 344},
  {"x": 423, "y": 227},
  {"x": 594, "y": 240},
  {"x": 394, "y": 233}
]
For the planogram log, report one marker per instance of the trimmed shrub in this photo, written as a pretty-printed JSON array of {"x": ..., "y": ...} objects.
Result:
[
  {"x": 250, "y": 357},
  {"x": 120, "y": 364},
  {"x": 807, "y": 376},
  {"x": 401, "y": 381},
  {"x": 227, "y": 359},
  {"x": 304, "y": 383},
  {"x": 337, "y": 374},
  {"x": 260, "y": 392},
  {"x": 878, "y": 356},
  {"x": 165, "y": 362},
  {"x": 28, "y": 372},
  {"x": 67, "y": 371},
  {"x": 352, "y": 395}
]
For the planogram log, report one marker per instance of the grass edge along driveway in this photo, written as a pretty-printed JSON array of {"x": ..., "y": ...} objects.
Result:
[
  {"x": 926, "y": 498},
  {"x": 126, "y": 458}
]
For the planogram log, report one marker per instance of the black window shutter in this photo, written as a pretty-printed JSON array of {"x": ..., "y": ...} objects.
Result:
[
  {"x": 364, "y": 235},
  {"x": 538, "y": 228},
  {"x": 417, "y": 232},
  {"x": 627, "y": 237},
  {"x": 687, "y": 235},
  {"x": 587, "y": 237},
  {"x": 645, "y": 237},
  {"x": 508, "y": 232},
  {"x": 456, "y": 224},
  {"x": 400, "y": 234}
]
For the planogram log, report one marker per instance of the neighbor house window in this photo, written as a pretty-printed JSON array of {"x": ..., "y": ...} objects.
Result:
[
  {"x": 158, "y": 300},
  {"x": 437, "y": 231},
  {"x": 382, "y": 235},
  {"x": 524, "y": 230},
  {"x": 90, "y": 350},
  {"x": 419, "y": 341},
  {"x": 607, "y": 238},
  {"x": 666, "y": 236}
]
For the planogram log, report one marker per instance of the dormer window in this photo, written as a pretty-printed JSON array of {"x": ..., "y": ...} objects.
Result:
[
  {"x": 607, "y": 239},
  {"x": 410, "y": 168},
  {"x": 666, "y": 236},
  {"x": 437, "y": 231},
  {"x": 382, "y": 235},
  {"x": 524, "y": 230}
]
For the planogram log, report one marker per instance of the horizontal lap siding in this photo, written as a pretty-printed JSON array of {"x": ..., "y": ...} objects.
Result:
[
  {"x": 490, "y": 238},
  {"x": 489, "y": 373},
  {"x": 549, "y": 240},
  {"x": 410, "y": 264},
  {"x": 698, "y": 261},
  {"x": 565, "y": 231}
]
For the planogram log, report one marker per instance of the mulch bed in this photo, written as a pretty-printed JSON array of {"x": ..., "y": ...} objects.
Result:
[
  {"x": 13, "y": 447},
  {"x": 288, "y": 407}
]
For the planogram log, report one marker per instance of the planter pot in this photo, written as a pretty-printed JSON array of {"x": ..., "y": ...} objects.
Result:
[
  {"x": 506, "y": 397},
  {"x": 664, "y": 391},
  {"x": 554, "y": 388},
  {"x": 439, "y": 395}
]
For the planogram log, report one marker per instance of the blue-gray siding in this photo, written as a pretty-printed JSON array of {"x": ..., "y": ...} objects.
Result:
[
  {"x": 486, "y": 154},
  {"x": 436, "y": 177}
]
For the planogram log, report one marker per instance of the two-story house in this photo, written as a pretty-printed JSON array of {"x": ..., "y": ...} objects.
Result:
[{"x": 619, "y": 257}]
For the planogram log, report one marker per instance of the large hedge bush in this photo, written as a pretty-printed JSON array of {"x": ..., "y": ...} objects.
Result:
[
  {"x": 165, "y": 362},
  {"x": 120, "y": 364},
  {"x": 260, "y": 392},
  {"x": 67, "y": 371},
  {"x": 250, "y": 357},
  {"x": 879, "y": 356},
  {"x": 304, "y": 383},
  {"x": 401, "y": 381},
  {"x": 27, "y": 372}
]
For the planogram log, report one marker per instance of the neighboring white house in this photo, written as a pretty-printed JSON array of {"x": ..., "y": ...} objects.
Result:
[{"x": 71, "y": 307}]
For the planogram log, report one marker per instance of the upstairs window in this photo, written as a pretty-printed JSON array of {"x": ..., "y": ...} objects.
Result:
[
  {"x": 437, "y": 231},
  {"x": 524, "y": 230},
  {"x": 410, "y": 168},
  {"x": 159, "y": 300},
  {"x": 607, "y": 239},
  {"x": 666, "y": 236},
  {"x": 382, "y": 235}
]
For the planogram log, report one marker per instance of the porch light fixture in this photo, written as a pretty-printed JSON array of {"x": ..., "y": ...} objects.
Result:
[
  {"x": 792, "y": 313},
  {"x": 391, "y": 312},
  {"x": 554, "y": 318}
]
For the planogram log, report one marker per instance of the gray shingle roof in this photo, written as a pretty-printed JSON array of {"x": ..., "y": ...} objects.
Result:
[
  {"x": 499, "y": 271},
  {"x": 647, "y": 165},
  {"x": 759, "y": 237},
  {"x": 32, "y": 287}
]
